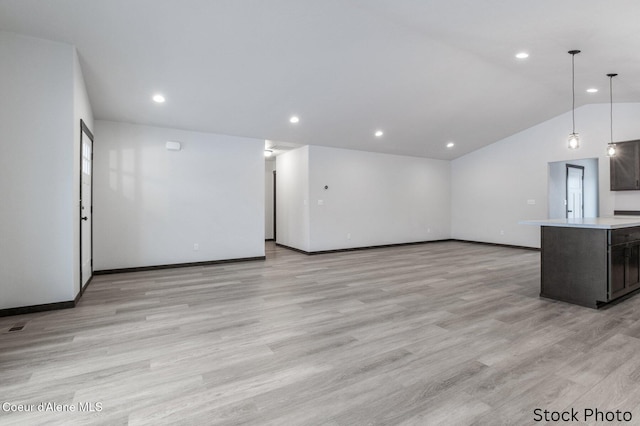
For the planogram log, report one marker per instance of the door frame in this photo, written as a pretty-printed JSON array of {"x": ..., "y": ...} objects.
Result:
[
  {"x": 566, "y": 188},
  {"x": 85, "y": 131},
  {"x": 275, "y": 228}
]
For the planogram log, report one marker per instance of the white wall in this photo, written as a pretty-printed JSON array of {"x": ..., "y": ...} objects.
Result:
[
  {"x": 292, "y": 199},
  {"x": 491, "y": 186},
  {"x": 372, "y": 199},
  {"x": 152, "y": 205},
  {"x": 38, "y": 179},
  {"x": 269, "y": 168},
  {"x": 376, "y": 199}
]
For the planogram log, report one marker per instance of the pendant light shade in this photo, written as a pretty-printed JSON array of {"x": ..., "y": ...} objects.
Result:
[
  {"x": 574, "y": 139},
  {"x": 611, "y": 147}
]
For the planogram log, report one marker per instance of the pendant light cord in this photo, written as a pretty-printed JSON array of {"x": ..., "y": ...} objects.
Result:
[
  {"x": 574, "y": 141},
  {"x": 611, "y": 104},
  {"x": 573, "y": 90}
]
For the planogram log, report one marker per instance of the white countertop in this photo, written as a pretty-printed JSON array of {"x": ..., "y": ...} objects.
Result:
[{"x": 593, "y": 222}]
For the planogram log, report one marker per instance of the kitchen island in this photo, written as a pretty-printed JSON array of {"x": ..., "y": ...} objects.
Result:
[{"x": 589, "y": 261}]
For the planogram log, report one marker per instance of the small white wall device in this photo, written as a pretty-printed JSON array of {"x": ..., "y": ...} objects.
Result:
[{"x": 173, "y": 146}]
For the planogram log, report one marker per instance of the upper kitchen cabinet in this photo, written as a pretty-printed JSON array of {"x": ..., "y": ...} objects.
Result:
[{"x": 625, "y": 166}]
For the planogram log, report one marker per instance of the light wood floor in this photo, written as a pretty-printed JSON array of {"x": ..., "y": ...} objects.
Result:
[{"x": 446, "y": 333}]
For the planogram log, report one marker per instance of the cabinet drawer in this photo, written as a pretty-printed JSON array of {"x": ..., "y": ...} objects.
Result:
[{"x": 625, "y": 235}]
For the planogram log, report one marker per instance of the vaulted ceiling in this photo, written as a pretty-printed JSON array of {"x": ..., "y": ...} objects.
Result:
[{"x": 425, "y": 72}]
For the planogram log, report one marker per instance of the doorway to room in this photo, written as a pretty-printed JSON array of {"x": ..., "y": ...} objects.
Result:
[
  {"x": 270, "y": 200},
  {"x": 86, "y": 206},
  {"x": 275, "y": 228},
  {"x": 573, "y": 189}
]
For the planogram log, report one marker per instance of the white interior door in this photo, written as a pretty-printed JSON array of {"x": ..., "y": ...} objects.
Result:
[
  {"x": 575, "y": 189},
  {"x": 86, "y": 207}
]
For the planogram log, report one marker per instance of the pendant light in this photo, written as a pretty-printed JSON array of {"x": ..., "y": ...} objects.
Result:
[
  {"x": 574, "y": 140},
  {"x": 611, "y": 147}
]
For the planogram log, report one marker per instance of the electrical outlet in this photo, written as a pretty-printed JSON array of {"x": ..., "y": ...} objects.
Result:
[
  {"x": 502, "y": 232},
  {"x": 196, "y": 247},
  {"x": 428, "y": 230},
  {"x": 348, "y": 235}
]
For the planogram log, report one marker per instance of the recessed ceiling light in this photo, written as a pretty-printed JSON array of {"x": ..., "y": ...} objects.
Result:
[
  {"x": 158, "y": 98},
  {"x": 450, "y": 145},
  {"x": 379, "y": 133},
  {"x": 268, "y": 153},
  {"x": 592, "y": 90},
  {"x": 522, "y": 55},
  {"x": 294, "y": 119}
]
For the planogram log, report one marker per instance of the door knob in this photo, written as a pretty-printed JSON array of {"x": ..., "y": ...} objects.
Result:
[{"x": 85, "y": 218}]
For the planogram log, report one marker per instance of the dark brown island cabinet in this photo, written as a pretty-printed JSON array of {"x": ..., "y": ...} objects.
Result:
[{"x": 589, "y": 262}]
